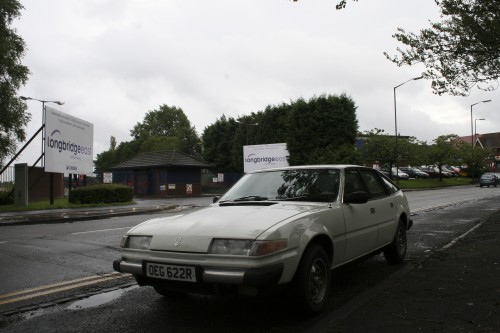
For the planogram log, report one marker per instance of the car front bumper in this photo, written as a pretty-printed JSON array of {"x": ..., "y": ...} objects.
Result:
[{"x": 256, "y": 276}]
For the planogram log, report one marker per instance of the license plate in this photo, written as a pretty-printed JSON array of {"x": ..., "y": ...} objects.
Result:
[{"x": 171, "y": 272}]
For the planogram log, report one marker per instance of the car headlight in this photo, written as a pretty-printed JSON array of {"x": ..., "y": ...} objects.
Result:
[
  {"x": 245, "y": 247},
  {"x": 136, "y": 242}
]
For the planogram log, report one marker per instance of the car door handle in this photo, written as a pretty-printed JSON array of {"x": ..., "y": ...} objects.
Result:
[
  {"x": 372, "y": 210},
  {"x": 392, "y": 204}
]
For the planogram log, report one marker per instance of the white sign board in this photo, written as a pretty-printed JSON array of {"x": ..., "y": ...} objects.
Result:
[
  {"x": 68, "y": 143},
  {"x": 265, "y": 156},
  {"x": 107, "y": 177}
]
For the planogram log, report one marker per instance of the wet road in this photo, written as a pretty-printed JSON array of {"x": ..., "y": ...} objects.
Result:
[{"x": 83, "y": 250}]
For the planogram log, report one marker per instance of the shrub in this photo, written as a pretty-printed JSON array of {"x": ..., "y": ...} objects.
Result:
[
  {"x": 6, "y": 195},
  {"x": 102, "y": 193}
]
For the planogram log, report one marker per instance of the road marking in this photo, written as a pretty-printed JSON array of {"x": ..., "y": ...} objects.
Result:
[
  {"x": 58, "y": 287},
  {"x": 3, "y": 242},
  {"x": 450, "y": 244},
  {"x": 92, "y": 231}
]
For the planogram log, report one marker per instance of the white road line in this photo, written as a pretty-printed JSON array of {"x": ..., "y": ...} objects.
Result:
[
  {"x": 3, "y": 242},
  {"x": 450, "y": 244},
  {"x": 91, "y": 231}
]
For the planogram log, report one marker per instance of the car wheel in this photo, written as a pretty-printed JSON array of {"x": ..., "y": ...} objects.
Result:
[
  {"x": 395, "y": 252},
  {"x": 168, "y": 293},
  {"x": 313, "y": 280}
]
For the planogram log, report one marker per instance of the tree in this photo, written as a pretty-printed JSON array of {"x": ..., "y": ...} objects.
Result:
[
  {"x": 379, "y": 147},
  {"x": 116, "y": 154},
  {"x": 321, "y": 130},
  {"x": 167, "y": 122},
  {"x": 460, "y": 52},
  {"x": 13, "y": 75},
  {"x": 272, "y": 124},
  {"x": 167, "y": 128},
  {"x": 446, "y": 150},
  {"x": 325, "y": 123},
  {"x": 218, "y": 142}
]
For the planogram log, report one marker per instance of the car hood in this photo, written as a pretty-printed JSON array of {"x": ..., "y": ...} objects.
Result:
[{"x": 193, "y": 231}]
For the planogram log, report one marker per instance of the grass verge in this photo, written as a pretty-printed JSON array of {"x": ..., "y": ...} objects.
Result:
[
  {"x": 58, "y": 203},
  {"x": 433, "y": 183}
]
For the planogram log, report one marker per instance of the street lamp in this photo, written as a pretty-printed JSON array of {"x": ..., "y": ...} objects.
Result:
[
  {"x": 396, "y": 125},
  {"x": 43, "y": 117},
  {"x": 475, "y": 129},
  {"x": 43, "y": 138},
  {"x": 40, "y": 100},
  {"x": 472, "y": 135},
  {"x": 247, "y": 125}
]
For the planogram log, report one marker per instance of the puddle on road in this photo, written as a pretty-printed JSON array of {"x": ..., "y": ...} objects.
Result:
[{"x": 98, "y": 299}]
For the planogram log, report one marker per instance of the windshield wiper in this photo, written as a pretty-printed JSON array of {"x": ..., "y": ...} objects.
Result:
[
  {"x": 310, "y": 197},
  {"x": 251, "y": 198}
]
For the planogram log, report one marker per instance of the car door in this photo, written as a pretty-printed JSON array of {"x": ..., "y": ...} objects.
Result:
[
  {"x": 360, "y": 223},
  {"x": 382, "y": 202}
]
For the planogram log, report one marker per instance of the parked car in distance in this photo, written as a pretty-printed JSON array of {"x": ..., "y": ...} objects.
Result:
[
  {"x": 449, "y": 171},
  {"x": 398, "y": 174},
  {"x": 433, "y": 171},
  {"x": 452, "y": 168},
  {"x": 285, "y": 227},
  {"x": 414, "y": 172},
  {"x": 488, "y": 179}
]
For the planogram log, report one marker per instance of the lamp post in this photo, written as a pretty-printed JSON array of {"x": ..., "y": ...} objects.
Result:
[
  {"x": 475, "y": 129},
  {"x": 43, "y": 118},
  {"x": 247, "y": 125},
  {"x": 472, "y": 136},
  {"x": 396, "y": 126},
  {"x": 43, "y": 138}
]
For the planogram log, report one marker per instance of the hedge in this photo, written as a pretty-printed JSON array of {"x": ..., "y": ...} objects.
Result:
[
  {"x": 103, "y": 193},
  {"x": 5, "y": 195}
]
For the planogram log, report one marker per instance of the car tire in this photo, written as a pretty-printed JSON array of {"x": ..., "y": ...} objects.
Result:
[
  {"x": 395, "y": 252},
  {"x": 312, "y": 280},
  {"x": 169, "y": 293}
]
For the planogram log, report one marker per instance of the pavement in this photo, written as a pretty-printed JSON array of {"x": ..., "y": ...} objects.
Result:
[
  {"x": 141, "y": 206},
  {"x": 455, "y": 289}
]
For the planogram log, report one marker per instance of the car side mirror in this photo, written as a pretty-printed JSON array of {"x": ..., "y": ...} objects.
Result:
[
  {"x": 215, "y": 199},
  {"x": 359, "y": 197}
]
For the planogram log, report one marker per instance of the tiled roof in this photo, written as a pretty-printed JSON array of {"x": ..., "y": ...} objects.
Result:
[{"x": 161, "y": 159}]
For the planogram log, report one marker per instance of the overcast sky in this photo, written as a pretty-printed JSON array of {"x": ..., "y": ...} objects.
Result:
[{"x": 111, "y": 61}]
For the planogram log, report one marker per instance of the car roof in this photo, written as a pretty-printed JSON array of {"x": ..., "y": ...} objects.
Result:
[{"x": 314, "y": 166}]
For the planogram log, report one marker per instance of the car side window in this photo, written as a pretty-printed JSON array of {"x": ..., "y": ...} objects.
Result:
[
  {"x": 389, "y": 184},
  {"x": 374, "y": 183},
  {"x": 353, "y": 182}
]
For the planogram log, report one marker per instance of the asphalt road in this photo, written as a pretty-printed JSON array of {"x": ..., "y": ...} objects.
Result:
[{"x": 75, "y": 253}]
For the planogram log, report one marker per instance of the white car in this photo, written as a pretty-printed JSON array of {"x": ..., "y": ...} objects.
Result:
[
  {"x": 397, "y": 173},
  {"x": 289, "y": 226}
]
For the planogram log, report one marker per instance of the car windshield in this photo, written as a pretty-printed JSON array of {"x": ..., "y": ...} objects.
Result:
[
  {"x": 320, "y": 185},
  {"x": 487, "y": 176}
]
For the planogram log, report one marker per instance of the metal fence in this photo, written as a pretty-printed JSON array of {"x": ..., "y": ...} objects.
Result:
[{"x": 7, "y": 178}]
